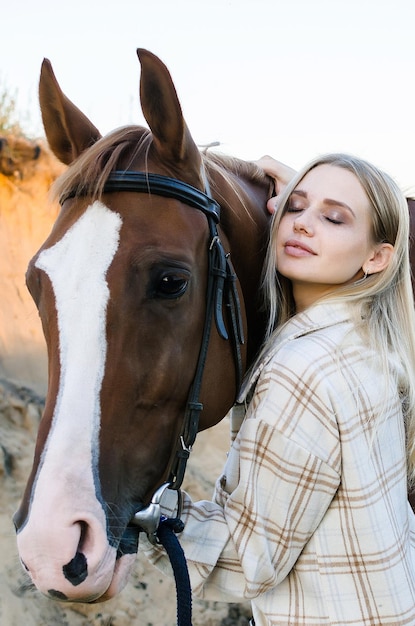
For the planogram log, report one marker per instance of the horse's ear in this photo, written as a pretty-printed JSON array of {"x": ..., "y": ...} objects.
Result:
[
  {"x": 68, "y": 131},
  {"x": 163, "y": 113}
]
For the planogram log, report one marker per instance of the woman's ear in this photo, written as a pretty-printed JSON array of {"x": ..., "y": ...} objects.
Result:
[{"x": 380, "y": 259}]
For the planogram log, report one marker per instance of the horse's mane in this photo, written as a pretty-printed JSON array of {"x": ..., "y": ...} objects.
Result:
[
  {"x": 117, "y": 150},
  {"x": 233, "y": 172},
  {"x": 245, "y": 169}
]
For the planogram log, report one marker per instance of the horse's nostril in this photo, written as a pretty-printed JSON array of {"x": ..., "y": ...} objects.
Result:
[
  {"x": 24, "y": 565},
  {"x": 76, "y": 570},
  {"x": 57, "y": 595}
]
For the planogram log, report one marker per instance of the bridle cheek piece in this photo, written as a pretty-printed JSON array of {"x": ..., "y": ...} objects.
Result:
[{"x": 221, "y": 293}]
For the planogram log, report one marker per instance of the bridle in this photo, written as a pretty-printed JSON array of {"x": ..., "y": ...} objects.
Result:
[{"x": 221, "y": 293}]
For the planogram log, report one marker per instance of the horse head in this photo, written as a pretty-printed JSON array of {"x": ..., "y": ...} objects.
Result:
[{"x": 121, "y": 285}]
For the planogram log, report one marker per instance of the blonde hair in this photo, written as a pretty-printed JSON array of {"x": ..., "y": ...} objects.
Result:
[{"x": 383, "y": 300}]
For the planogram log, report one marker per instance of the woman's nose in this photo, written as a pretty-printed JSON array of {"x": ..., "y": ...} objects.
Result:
[{"x": 302, "y": 225}]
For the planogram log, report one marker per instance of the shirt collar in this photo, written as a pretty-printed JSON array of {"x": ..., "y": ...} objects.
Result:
[{"x": 316, "y": 317}]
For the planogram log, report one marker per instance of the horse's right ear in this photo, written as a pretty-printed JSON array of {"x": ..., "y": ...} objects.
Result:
[
  {"x": 68, "y": 131},
  {"x": 163, "y": 113}
]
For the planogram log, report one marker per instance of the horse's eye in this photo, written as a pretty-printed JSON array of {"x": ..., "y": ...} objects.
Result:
[{"x": 172, "y": 285}]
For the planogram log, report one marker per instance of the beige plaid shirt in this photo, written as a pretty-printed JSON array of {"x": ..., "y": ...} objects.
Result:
[{"x": 310, "y": 519}]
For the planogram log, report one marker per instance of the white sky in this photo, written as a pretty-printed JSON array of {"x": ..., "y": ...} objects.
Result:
[{"x": 291, "y": 78}]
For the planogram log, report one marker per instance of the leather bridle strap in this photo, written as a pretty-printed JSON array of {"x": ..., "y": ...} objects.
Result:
[
  {"x": 221, "y": 290},
  {"x": 163, "y": 186}
]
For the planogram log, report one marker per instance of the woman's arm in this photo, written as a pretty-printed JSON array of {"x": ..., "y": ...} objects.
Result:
[{"x": 266, "y": 506}]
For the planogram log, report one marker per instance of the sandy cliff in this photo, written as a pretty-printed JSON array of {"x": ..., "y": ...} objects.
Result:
[{"x": 26, "y": 217}]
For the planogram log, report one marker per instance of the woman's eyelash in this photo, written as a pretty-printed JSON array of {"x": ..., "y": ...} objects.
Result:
[{"x": 333, "y": 220}]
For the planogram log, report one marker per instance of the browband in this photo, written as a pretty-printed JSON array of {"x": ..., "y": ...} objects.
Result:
[{"x": 161, "y": 186}]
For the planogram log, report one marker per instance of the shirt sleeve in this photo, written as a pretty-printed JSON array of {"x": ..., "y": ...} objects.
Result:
[{"x": 273, "y": 494}]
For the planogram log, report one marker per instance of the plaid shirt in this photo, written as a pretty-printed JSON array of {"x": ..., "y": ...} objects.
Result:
[{"x": 310, "y": 519}]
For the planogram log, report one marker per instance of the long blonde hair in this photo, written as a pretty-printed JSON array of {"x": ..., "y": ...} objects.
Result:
[{"x": 383, "y": 300}]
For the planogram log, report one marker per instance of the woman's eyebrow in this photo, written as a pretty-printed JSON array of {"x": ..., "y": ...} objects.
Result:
[{"x": 329, "y": 201}]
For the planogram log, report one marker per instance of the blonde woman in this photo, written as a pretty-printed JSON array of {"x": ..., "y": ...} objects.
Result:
[{"x": 310, "y": 519}]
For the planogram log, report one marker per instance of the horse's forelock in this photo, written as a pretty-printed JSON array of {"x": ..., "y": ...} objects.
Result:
[{"x": 88, "y": 173}]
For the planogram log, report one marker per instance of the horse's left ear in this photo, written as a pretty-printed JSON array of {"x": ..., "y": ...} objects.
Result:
[
  {"x": 163, "y": 113},
  {"x": 68, "y": 131}
]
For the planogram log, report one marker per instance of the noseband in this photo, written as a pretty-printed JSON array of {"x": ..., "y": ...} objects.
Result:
[{"x": 221, "y": 291}]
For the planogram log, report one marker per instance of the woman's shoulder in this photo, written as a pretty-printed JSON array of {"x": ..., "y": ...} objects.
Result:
[
  {"x": 316, "y": 335},
  {"x": 313, "y": 356},
  {"x": 308, "y": 346}
]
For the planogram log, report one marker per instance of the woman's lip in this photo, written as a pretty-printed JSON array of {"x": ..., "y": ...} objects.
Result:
[{"x": 296, "y": 248}]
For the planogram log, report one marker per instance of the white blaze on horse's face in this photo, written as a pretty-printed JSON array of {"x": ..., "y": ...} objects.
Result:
[{"x": 66, "y": 525}]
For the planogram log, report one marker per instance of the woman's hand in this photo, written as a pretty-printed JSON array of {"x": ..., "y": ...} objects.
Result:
[{"x": 281, "y": 174}]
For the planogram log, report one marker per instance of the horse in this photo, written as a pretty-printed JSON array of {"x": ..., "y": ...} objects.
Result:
[
  {"x": 411, "y": 208},
  {"x": 147, "y": 290}
]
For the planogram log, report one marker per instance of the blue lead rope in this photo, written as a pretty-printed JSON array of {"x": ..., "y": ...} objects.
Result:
[
  {"x": 161, "y": 529},
  {"x": 166, "y": 533}
]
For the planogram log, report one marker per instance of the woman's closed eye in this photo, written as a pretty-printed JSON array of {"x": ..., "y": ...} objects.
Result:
[
  {"x": 293, "y": 208},
  {"x": 334, "y": 215},
  {"x": 335, "y": 218}
]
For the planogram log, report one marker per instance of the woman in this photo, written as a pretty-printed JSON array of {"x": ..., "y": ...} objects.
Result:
[{"x": 310, "y": 519}]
